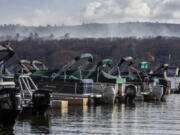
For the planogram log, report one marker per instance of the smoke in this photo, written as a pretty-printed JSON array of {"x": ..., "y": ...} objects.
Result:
[{"x": 93, "y": 30}]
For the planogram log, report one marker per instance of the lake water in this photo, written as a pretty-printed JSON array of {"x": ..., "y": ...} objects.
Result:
[{"x": 141, "y": 119}]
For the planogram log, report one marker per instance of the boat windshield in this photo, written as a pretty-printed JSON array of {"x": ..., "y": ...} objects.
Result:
[{"x": 171, "y": 71}]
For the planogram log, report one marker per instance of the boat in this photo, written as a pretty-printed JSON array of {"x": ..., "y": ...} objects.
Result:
[
  {"x": 142, "y": 84},
  {"x": 104, "y": 83},
  {"x": 34, "y": 99},
  {"x": 79, "y": 80},
  {"x": 161, "y": 74},
  {"x": 152, "y": 88},
  {"x": 131, "y": 91},
  {"x": 172, "y": 75},
  {"x": 61, "y": 81},
  {"x": 10, "y": 96}
]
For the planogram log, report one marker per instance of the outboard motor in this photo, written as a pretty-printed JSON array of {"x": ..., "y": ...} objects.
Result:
[
  {"x": 109, "y": 95},
  {"x": 10, "y": 107},
  {"x": 157, "y": 91},
  {"x": 130, "y": 94},
  {"x": 41, "y": 100}
]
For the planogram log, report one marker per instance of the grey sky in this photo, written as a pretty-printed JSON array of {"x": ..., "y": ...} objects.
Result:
[{"x": 72, "y": 12}]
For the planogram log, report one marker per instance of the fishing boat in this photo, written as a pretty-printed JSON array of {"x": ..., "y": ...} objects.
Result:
[
  {"x": 10, "y": 96},
  {"x": 152, "y": 87},
  {"x": 131, "y": 91},
  {"x": 141, "y": 82},
  {"x": 61, "y": 81},
  {"x": 161, "y": 74},
  {"x": 104, "y": 83},
  {"x": 32, "y": 98}
]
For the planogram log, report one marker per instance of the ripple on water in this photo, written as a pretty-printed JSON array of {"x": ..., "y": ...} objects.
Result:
[{"x": 141, "y": 119}]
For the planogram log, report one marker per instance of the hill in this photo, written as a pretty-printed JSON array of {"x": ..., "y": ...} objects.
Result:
[{"x": 93, "y": 30}]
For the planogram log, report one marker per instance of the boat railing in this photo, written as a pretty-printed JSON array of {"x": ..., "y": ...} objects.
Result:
[{"x": 27, "y": 86}]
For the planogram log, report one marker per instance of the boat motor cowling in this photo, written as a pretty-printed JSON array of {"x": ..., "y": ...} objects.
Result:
[
  {"x": 10, "y": 107},
  {"x": 10, "y": 99},
  {"x": 42, "y": 99},
  {"x": 130, "y": 93}
]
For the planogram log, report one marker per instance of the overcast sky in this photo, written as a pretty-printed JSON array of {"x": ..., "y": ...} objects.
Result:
[{"x": 73, "y": 12}]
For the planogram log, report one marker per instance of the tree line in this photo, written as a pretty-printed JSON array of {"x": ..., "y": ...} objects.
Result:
[{"x": 56, "y": 53}]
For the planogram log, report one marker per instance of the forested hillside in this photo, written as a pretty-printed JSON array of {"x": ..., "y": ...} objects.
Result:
[{"x": 56, "y": 53}]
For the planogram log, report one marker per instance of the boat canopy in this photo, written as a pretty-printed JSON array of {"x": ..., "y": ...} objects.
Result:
[
  {"x": 104, "y": 77},
  {"x": 105, "y": 62},
  {"x": 87, "y": 56},
  {"x": 23, "y": 61},
  {"x": 9, "y": 53},
  {"x": 38, "y": 65},
  {"x": 125, "y": 59},
  {"x": 115, "y": 70},
  {"x": 26, "y": 65},
  {"x": 161, "y": 68},
  {"x": 9, "y": 50}
]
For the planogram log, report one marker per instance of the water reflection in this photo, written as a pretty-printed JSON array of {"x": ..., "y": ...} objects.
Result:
[
  {"x": 143, "y": 118},
  {"x": 33, "y": 124},
  {"x": 7, "y": 133},
  {"x": 41, "y": 124}
]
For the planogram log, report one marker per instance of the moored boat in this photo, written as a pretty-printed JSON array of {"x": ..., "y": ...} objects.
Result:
[{"x": 10, "y": 97}]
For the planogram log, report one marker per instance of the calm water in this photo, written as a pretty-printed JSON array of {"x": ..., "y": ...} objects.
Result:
[{"x": 141, "y": 119}]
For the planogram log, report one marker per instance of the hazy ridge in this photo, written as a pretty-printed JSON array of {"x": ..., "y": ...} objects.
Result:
[{"x": 93, "y": 30}]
